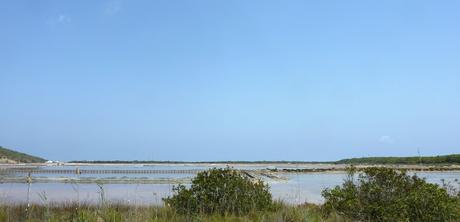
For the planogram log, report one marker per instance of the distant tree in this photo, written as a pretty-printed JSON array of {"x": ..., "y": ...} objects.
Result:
[{"x": 446, "y": 159}]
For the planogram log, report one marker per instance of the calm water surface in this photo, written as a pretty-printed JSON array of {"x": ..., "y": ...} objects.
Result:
[{"x": 296, "y": 188}]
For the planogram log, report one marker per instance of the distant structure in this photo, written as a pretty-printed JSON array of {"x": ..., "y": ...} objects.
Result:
[{"x": 54, "y": 163}]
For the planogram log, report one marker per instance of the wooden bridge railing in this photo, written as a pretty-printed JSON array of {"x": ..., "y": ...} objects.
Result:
[{"x": 96, "y": 171}]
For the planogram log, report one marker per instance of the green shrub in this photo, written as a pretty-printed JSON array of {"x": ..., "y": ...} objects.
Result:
[
  {"x": 383, "y": 194},
  {"x": 221, "y": 191}
]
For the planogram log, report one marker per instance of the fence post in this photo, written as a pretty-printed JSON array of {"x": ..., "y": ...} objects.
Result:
[{"x": 29, "y": 182}]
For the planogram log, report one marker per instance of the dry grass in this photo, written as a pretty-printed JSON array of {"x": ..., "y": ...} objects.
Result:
[{"x": 113, "y": 212}]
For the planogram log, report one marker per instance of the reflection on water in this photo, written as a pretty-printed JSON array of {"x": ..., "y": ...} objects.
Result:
[
  {"x": 85, "y": 193},
  {"x": 295, "y": 189}
]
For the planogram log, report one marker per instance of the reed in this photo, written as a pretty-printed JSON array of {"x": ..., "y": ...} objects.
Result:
[{"x": 117, "y": 212}]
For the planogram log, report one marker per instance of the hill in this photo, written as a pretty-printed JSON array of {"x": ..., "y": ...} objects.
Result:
[
  {"x": 446, "y": 159},
  {"x": 11, "y": 156}
]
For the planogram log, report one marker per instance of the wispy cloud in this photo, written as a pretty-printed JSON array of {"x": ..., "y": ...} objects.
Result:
[
  {"x": 386, "y": 140},
  {"x": 63, "y": 19},
  {"x": 113, "y": 7},
  {"x": 59, "y": 19}
]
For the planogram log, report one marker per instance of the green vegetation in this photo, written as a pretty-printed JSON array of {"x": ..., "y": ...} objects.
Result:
[
  {"x": 375, "y": 194},
  {"x": 383, "y": 194},
  {"x": 191, "y": 162},
  {"x": 446, "y": 159},
  {"x": 74, "y": 212},
  {"x": 221, "y": 191},
  {"x": 11, "y": 155}
]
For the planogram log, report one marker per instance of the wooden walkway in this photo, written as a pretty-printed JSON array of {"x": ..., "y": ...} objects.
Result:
[{"x": 94, "y": 171}]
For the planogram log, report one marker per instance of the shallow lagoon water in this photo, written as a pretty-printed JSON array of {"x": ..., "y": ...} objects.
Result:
[{"x": 295, "y": 188}]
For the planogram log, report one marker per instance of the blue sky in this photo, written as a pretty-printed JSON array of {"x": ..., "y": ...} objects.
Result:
[{"x": 229, "y": 80}]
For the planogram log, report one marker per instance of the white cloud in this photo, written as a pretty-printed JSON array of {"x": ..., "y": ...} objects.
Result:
[
  {"x": 113, "y": 7},
  {"x": 59, "y": 19},
  {"x": 386, "y": 139},
  {"x": 63, "y": 19}
]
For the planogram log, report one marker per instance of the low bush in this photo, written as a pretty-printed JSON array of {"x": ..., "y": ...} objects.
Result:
[
  {"x": 383, "y": 194},
  {"x": 221, "y": 191}
]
